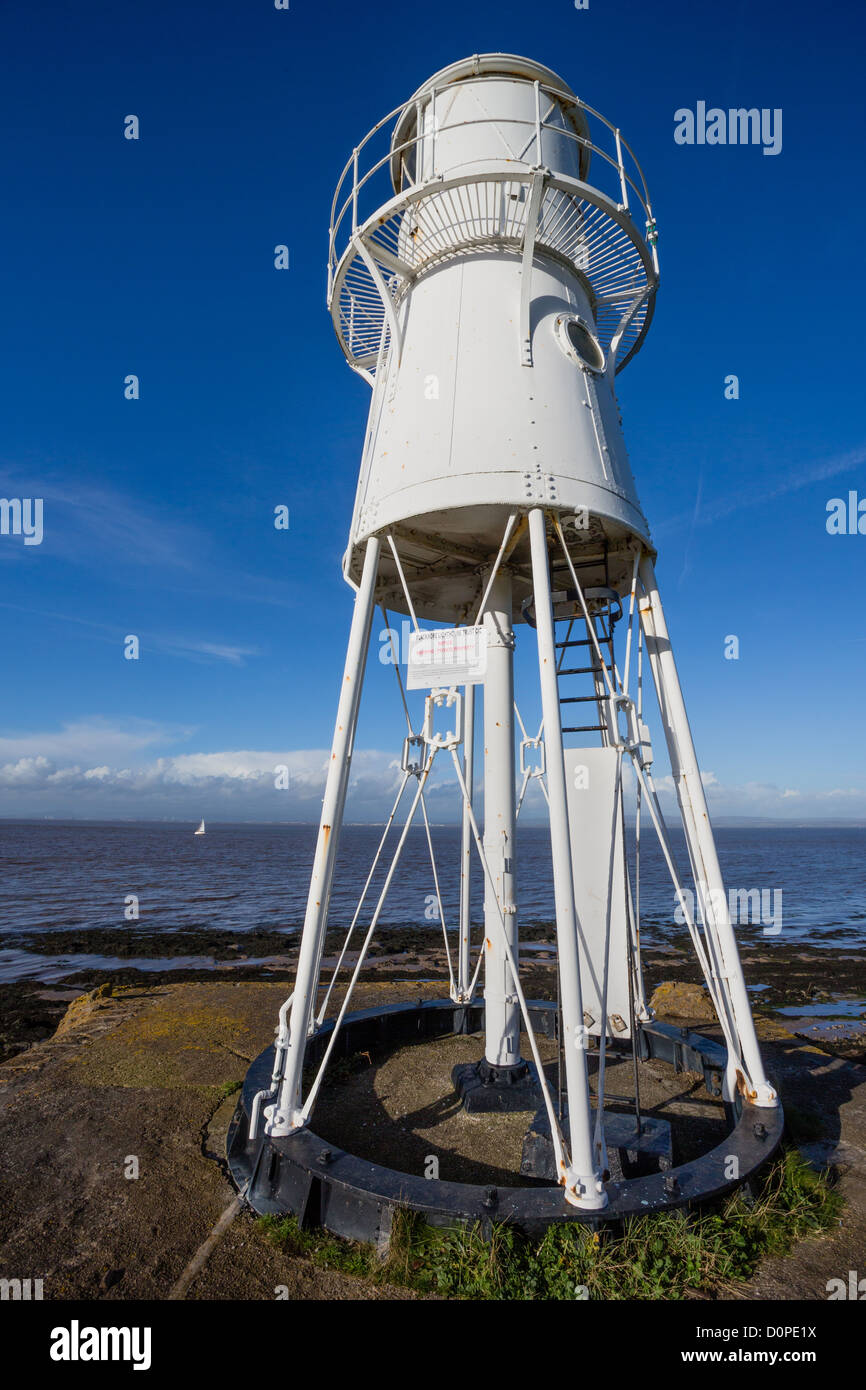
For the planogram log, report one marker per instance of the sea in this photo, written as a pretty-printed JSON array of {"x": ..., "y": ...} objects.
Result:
[{"x": 795, "y": 884}]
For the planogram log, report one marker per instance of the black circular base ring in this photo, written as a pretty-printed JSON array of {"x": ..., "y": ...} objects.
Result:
[{"x": 306, "y": 1176}]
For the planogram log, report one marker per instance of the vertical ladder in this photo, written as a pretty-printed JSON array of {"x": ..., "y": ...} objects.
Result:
[
  {"x": 604, "y": 607},
  {"x": 605, "y": 610},
  {"x": 603, "y": 624}
]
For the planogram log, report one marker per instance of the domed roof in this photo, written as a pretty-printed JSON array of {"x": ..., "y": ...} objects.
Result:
[{"x": 488, "y": 65}]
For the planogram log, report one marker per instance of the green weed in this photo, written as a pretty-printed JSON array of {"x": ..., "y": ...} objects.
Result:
[{"x": 662, "y": 1256}]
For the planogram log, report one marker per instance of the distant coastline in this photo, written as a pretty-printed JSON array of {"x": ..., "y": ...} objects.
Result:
[{"x": 734, "y": 822}]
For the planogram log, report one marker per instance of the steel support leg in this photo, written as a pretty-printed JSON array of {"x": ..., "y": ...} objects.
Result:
[
  {"x": 502, "y": 1010},
  {"x": 583, "y": 1186},
  {"x": 283, "y": 1116},
  {"x": 702, "y": 848},
  {"x": 464, "y": 975}
]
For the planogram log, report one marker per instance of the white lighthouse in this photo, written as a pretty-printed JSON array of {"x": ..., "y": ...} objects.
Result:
[{"x": 492, "y": 267}]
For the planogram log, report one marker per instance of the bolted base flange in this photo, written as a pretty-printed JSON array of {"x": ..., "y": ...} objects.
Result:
[{"x": 487, "y": 1089}]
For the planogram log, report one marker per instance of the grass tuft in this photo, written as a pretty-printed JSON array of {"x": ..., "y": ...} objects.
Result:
[{"x": 664, "y": 1256}]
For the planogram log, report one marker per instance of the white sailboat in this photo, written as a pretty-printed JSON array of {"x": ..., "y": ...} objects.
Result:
[{"x": 200, "y": 830}]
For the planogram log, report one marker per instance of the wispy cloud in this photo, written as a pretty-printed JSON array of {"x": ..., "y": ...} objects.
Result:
[
  {"x": 105, "y": 529},
  {"x": 708, "y": 513},
  {"x": 204, "y": 651},
  {"x": 89, "y": 524},
  {"x": 687, "y": 567},
  {"x": 92, "y": 739},
  {"x": 191, "y": 649}
]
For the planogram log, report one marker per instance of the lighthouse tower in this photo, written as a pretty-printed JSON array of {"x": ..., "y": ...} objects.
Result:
[{"x": 492, "y": 267}]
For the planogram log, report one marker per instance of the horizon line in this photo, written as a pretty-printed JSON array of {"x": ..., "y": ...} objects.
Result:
[{"x": 756, "y": 822}]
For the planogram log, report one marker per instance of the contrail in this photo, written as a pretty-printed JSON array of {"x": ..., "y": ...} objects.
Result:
[{"x": 717, "y": 511}]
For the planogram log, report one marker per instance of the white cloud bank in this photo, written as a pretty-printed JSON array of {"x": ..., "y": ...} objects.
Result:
[
  {"x": 243, "y": 784},
  {"x": 93, "y": 769}
]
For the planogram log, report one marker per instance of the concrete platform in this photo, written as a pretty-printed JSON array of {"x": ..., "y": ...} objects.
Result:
[{"x": 111, "y": 1140}]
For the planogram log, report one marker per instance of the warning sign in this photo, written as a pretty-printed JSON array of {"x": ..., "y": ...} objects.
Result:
[{"x": 447, "y": 656}]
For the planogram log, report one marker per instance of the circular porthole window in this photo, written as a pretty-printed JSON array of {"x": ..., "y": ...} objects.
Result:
[{"x": 579, "y": 342}]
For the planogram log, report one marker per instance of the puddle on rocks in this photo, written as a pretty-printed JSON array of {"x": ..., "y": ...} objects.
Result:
[
  {"x": 841, "y": 1008},
  {"x": 27, "y": 965},
  {"x": 835, "y": 1021}
]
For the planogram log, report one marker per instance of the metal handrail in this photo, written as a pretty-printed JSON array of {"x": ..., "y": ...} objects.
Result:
[
  {"x": 566, "y": 99},
  {"x": 358, "y": 184}
]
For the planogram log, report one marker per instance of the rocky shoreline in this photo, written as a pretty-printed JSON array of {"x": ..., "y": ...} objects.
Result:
[{"x": 780, "y": 975}]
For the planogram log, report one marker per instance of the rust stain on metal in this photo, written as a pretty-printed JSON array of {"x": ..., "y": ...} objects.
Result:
[
  {"x": 743, "y": 1087},
  {"x": 563, "y": 1178}
]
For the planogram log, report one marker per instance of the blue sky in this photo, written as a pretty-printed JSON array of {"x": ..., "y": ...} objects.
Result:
[{"x": 155, "y": 257}]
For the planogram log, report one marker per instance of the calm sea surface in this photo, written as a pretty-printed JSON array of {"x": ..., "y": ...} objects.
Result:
[{"x": 66, "y": 875}]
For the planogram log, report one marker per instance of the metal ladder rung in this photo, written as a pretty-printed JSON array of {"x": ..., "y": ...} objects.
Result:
[
  {"x": 600, "y": 639},
  {"x": 581, "y": 564},
  {"x": 604, "y": 639}
]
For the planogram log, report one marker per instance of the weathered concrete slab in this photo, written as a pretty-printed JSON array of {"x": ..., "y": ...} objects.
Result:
[
  {"x": 137, "y": 1080},
  {"x": 140, "y": 1082}
]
